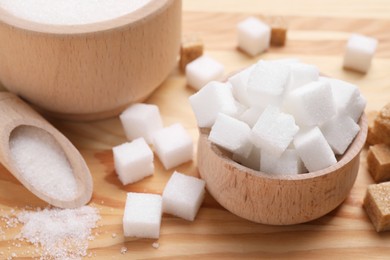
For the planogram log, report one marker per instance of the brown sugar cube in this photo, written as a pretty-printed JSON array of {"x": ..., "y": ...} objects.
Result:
[
  {"x": 372, "y": 138},
  {"x": 191, "y": 48},
  {"x": 278, "y": 31},
  {"x": 378, "y": 161},
  {"x": 377, "y": 205},
  {"x": 382, "y": 125}
]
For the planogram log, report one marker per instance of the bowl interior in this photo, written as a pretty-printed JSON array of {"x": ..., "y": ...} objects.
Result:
[{"x": 63, "y": 29}]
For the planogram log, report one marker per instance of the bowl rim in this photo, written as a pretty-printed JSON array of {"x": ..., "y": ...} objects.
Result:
[
  {"x": 352, "y": 151},
  {"x": 140, "y": 15}
]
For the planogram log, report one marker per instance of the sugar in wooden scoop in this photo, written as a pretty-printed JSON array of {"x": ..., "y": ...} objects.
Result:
[
  {"x": 42, "y": 162},
  {"x": 71, "y": 12}
]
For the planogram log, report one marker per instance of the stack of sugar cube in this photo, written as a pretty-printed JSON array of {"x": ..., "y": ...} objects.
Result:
[
  {"x": 143, "y": 126},
  {"x": 280, "y": 116}
]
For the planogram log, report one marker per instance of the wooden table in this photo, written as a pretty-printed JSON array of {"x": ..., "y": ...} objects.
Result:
[{"x": 318, "y": 31}]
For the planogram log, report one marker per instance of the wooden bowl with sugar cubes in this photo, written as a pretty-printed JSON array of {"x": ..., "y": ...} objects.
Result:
[
  {"x": 80, "y": 60},
  {"x": 278, "y": 143}
]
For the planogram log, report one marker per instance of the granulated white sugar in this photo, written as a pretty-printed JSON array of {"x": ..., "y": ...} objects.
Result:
[
  {"x": 71, "y": 12},
  {"x": 42, "y": 162},
  {"x": 60, "y": 233}
]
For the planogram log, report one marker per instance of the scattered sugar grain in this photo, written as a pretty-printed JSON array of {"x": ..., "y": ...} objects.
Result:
[
  {"x": 60, "y": 233},
  {"x": 155, "y": 245},
  {"x": 42, "y": 162},
  {"x": 71, "y": 12},
  {"x": 123, "y": 250}
]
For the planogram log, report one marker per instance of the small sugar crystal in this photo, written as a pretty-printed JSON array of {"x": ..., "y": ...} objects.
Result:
[
  {"x": 183, "y": 196},
  {"x": 42, "y": 162},
  {"x": 133, "y": 161},
  {"x": 142, "y": 216},
  {"x": 173, "y": 146},
  {"x": 274, "y": 131},
  {"x": 339, "y": 132},
  {"x": 214, "y": 98},
  {"x": 253, "y": 36},
  {"x": 311, "y": 104},
  {"x": 359, "y": 52},
  {"x": 59, "y": 233},
  {"x": 267, "y": 82},
  {"x": 314, "y": 150},
  {"x": 236, "y": 139},
  {"x": 202, "y": 70},
  {"x": 141, "y": 120},
  {"x": 71, "y": 12},
  {"x": 289, "y": 163}
]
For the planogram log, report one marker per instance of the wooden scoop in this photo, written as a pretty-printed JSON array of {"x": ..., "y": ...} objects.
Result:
[
  {"x": 278, "y": 200},
  {"x": 15, "y": 113}
]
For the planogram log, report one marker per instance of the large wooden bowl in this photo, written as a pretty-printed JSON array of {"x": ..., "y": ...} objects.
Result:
[
  {"x": 278, "y": 200},
  {"x": 93, "y": 70}
]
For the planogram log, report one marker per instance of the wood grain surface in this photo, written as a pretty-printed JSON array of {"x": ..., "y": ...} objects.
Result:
[{"x": 318, "y": 31}]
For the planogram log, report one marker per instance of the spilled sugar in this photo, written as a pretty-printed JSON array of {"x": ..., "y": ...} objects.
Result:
[
  {"x": 56, "y": 233},
  {"x": 71, "y": 12},
  {"x": 42, "y": 162}
]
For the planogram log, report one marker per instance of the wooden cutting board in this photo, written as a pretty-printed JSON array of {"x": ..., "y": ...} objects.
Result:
[{"x": 318, "y": 31}]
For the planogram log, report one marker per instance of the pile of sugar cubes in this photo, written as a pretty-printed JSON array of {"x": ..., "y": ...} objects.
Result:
[
  {"x": 281, "y": 116},
  {"x": 182, "y": 196}
]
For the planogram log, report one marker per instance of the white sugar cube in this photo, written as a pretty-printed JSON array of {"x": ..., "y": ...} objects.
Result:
[
  {"x": 141, "y": 120},
  {"x": 359, "y": 52},
  {"x": 301, "y": 74},
  {"x": 311, "y": 104},
  {"x": 267, "y": 82},
  {"x": 214, "y": 98},
  {"x": 239, "y": 83},
  {"x": 133, "y": 161},
  {"x": 251, "y": 161},
  {"x": 347, "y": 98},
  {"x": 231, "y": 134},
  {"x": 253, "y": 36},
  {"x": 274, "y": 131},
  {"x": 183, "y": 196},
  {"x": 339, "y": 132},
  {"x": 202, "y": 70},
  {"x": 142, "y": 216},
  {"x": 173, "y": 145},
  {"x": 314, "y": 150},
  {"x": 289, "y": 163},
  {"x": 251, "y": 115}
]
